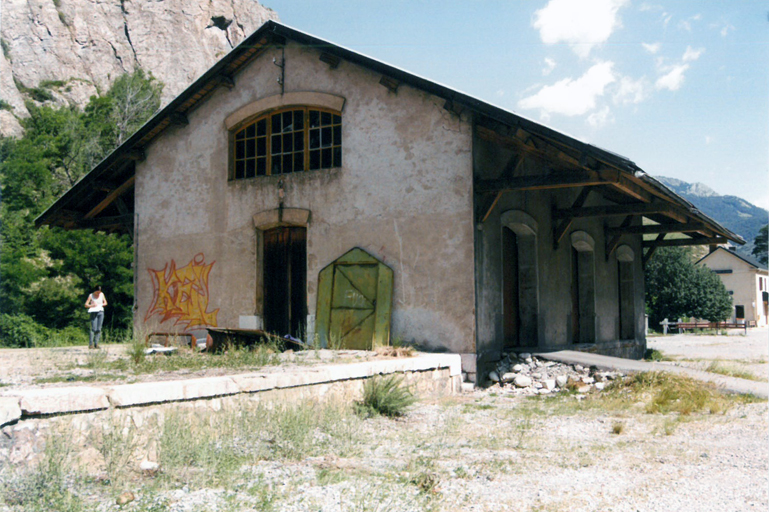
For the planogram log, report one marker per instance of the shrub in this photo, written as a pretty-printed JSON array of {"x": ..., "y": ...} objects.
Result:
[
  {"x": 386, "y": 396},
  {"x": 21, "y": 331}
]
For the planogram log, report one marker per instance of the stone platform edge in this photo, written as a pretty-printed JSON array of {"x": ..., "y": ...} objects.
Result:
[{"x": 16, "y": 405}]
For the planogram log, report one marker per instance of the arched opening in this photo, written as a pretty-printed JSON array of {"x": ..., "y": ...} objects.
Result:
[
  {"x": 285, "y": 280},
  {"x": 281, "y": 270},
  {"x": 510, "y": 293},
  {"x": 625, "y": 287},
  {"x": 520, "y": 284},
  {"x": 582, "y": 324}
]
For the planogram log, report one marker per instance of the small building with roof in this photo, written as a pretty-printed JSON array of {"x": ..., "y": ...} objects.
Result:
[
  {"x": 747, "y": 282},
  {"x": 306, "y": 189}
]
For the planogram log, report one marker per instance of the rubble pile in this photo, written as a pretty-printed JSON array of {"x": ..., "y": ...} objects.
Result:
[{"x": 524, "y": 374}]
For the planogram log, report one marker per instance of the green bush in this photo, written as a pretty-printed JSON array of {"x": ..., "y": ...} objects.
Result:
[
  {"x": 386, "y": 396},
  {"x": 21, "y": 331}
]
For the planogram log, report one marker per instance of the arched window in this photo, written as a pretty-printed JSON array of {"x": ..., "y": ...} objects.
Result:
[{"x": 293, "y": 139}]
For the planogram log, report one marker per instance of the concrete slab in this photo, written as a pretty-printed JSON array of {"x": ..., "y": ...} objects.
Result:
[
  {"x": 10, "y": 410},
  {"x": 127, "y": 395},
  {"x": 728, "y": 384},
  {"x": 61, "y": 400}
]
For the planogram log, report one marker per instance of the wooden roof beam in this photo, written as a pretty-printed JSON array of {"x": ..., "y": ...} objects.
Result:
[
  {"x": 613, "y": 241},
  {"x": 690, "y": 227},
  {"x": 110, "y": 197},
  {"x": 330, "y": 59},
  {"x": 390, "y": 83},
  {"x": 553, "y": 180},
  {"x": 122, "y": 221},
  {"x": 680, "y": 242},
  {"x": 615, "y": 210},
  {"x": 560, "y": 229}
]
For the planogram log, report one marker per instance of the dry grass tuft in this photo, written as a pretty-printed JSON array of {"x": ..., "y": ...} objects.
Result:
[{"x": 390, "y": 351}]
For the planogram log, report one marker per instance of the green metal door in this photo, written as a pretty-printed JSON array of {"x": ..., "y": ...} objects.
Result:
[{"x": 355, "y": 302}]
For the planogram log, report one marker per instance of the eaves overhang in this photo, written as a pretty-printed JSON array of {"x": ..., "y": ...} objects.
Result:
[{"x": 86, "y": 201}]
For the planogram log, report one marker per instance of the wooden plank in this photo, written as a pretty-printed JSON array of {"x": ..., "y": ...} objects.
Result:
[
  {"x": 650, "y": 251},
  {"x": 679, "y": 242},
  {"x": 384, "y": 299},
  {"x": 111, "y": 197},
  {"x": 657, "y": 228}
]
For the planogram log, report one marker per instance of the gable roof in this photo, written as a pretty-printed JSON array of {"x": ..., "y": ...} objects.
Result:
[
  {"x": 94, "y": 201},
  {"x": 747, "y": 259}
]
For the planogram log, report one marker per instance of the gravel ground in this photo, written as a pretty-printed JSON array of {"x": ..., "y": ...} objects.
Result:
[
  {"x": 493, "y": 450},
  {"x": 749, "y": 352}
]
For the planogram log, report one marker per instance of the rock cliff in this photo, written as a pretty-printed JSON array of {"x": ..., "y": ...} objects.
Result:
[{"x": 64, "y": 51}]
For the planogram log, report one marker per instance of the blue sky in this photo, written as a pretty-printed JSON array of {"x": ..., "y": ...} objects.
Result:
[{"x": 681, "y": 87}]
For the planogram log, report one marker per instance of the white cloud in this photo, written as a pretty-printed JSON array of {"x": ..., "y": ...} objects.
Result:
[
  {"x": 708, "y": 139},
  {"x": 631, "y": 91},
  {"x": 549, "y": 66},
  {"x": 500, "y": 92},
  {"x": 673, "y": 79},
  {"x": 579, "y": 23},
  {"x": 728, "y": 27},
  {"x": 600, "y": 118},
  {"x": 691, "y": 54},
  {"x": 572, "y": 97},
  {"x": 652, "y": 47}
]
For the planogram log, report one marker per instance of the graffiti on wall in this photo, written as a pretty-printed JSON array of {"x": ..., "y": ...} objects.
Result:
[{"x": 181, "y": 294}]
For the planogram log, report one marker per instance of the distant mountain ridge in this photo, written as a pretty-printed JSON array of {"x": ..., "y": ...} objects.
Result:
[{"x": 734, "y": 213}]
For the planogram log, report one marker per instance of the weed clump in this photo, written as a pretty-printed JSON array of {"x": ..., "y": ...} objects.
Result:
[{"x": 386, "y": 396}]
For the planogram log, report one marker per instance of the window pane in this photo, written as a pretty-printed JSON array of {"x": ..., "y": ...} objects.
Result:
[
  {"x": 261, "y": 166},
  {"x": 240, "y": 135},
  {"x": 337, "y": 135},
  {"x": 325, "y": 118},
  {"x": 325, "y": 139},
  {"x": 250, "y": 148},
  {"x": 288, "y": 143},
  {"x": 314, "y": 160},
  {"x": 250, "y": 132},
  {"x": 250, "y": 168},
  {"x": 261, "y": 127},
  {"x": 240, "y": 150},
  {"x": 239, "y": 169},
  {"x": 326, "y": 160},
  {"x": 314, "y": 139},
  {"x": 287, "y": 160},
  {"x": 337, "y": 119},
  {"x": 275, "y": 144},
  {"x": 298, "y": 162},
  {"x": 288, "y": 123},
  {"x": 299, "y": 141},
  {"x": 337, "y": 157},
  {"x": 298, "y": 119},
  {"x": 261, "y": 146},
  {"x": 276, "y": 168},
  {"x": 276, "y": 123},
  {"x": 314, "y": 118}
]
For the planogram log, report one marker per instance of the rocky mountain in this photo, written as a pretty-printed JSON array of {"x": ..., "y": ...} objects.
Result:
[
  {"x": 64, "y": 51},
  {"x": 732, "y": 212}
]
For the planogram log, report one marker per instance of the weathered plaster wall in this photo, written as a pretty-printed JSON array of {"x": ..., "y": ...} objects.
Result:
[
  {"x": 404, "y": 194},
  {"x": 554, "y": 269}
]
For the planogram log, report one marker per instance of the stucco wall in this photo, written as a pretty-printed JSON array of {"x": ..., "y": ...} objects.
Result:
[
  {"x": 554, "y": 268},
  {"x": 404, "y": 194}
]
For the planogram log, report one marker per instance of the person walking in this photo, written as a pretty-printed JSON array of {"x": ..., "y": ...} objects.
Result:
[{"x": 95, "y": 304}]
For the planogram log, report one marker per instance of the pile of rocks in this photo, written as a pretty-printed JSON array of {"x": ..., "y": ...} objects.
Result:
[{"x": 524, "y": 374}]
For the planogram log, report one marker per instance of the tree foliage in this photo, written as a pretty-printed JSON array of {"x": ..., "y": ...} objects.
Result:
[
  {"x": 47, "y": 273},
  {"x": 677, "y": 288},
  {"x": 760, "y": 245}
]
